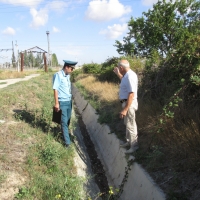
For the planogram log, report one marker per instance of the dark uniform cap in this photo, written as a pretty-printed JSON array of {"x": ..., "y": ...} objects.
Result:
[{"x": 69, "y": 63}]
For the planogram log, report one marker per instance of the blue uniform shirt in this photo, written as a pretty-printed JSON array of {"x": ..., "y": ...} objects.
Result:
[{"x": 61, "y": 83}]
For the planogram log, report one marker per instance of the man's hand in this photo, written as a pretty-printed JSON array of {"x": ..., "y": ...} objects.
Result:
[
  {"x": 116, "y": 71},
  {"x": 56, "y": 107},
  {"x": 122, "y": 114}
]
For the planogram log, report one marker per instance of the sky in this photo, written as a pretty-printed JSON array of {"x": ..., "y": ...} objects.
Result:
[{"x": 79, "y": 30}]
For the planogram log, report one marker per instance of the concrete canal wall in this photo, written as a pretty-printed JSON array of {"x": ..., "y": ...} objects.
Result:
[{"x": 139, "y": 185}]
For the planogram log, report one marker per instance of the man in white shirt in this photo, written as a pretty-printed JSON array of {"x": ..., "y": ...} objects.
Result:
[{"x": 128, "y": 98}]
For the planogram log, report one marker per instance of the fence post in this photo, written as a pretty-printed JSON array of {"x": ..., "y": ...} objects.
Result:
[
  {"x": 45, "y": 62},
  {"x": 22, "y": 62}
]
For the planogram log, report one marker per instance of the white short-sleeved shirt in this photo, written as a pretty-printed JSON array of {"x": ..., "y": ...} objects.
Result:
[{"x": 129, "y": 83}]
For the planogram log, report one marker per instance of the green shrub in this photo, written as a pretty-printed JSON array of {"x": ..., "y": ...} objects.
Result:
[
  {"x": 92, "y": 68},
  {"x": 110, "y": 62},
  {"x": 50, "y": 69},
  {"x": 107, "y": 74},
  {"x": 75, "y": 73}
]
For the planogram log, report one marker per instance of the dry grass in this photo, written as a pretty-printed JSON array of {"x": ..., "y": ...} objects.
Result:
[
  {"x": 104, "y": 90},
  {"x": 13, "y": 74}
]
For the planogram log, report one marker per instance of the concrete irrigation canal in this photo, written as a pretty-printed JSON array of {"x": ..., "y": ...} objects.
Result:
[
  {"x": 100, "y": 157},
  {"x": 107, "y": 160}
]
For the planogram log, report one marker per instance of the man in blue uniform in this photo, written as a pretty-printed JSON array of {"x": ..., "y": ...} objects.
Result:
[{"x": 63, "y": 96}]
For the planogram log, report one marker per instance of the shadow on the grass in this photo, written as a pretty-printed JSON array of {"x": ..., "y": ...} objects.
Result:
[{"x": 37, "y": 120}]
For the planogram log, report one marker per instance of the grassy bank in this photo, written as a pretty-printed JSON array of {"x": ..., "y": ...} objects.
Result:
[{"x": 34, "y": 162}]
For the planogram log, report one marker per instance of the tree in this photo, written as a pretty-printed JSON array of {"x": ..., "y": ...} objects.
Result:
[
  {"x": 13, "y": 60},
  {"x": 31, "y": 60},
  {"x": 163, "y": 28},
  {"x": 26, "y": 63},
  {"x": 127, "y": 48},
  {"x": 38, "y": 60},
  {"x": 54, "y": 60}
]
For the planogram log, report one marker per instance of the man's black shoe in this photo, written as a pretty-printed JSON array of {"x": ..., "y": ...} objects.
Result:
[{"x": 67, "y": 146}]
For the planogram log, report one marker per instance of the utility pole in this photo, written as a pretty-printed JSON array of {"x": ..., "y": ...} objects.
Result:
[
  {"x": 17, "y": 57},
  {"x": 13, "y": 56},
  {"x": 49, "y": 54}
]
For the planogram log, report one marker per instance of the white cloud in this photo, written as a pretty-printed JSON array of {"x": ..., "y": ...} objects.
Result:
[
  {"x": 9, "y": 31},
  {"x": 29, "y": 3},
  {"x": 40, "y": 17},
  {"x": 58, "y": 6},
  {"x": 55, "y": 30},
  {"x": 104, "y": 10},
  {"x": 113, "y": 32}
]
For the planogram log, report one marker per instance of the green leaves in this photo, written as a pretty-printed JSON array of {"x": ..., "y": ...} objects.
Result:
[
  {"x": 91, "y": 68},
  {"x": 163, "y": 28},
  {"x": 54, "y": 60},
  {"x": 195, "y": 80}
]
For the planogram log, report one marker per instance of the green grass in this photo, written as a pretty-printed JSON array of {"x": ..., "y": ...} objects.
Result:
[
  {"x": 52, "y": 172},
  {"x": 48, "y": 166},
  {"x": 2, "y": 83}
]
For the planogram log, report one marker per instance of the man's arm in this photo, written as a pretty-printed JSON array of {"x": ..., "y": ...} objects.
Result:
[
  {"x": 56, "y": 106},
  {"x": 128, "y": 104}
]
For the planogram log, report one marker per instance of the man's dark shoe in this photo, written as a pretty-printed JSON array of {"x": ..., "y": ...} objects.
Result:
[{"x": 67, "y": 146}]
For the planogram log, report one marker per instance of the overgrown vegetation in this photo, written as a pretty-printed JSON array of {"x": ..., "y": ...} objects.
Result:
[{"x": 165, "y": 43}]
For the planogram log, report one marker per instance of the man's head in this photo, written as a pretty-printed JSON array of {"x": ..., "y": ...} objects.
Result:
[
  {"x": 68, "y": 69},
  {"x": 123, "y": 66},
  {"x": 69, "y": 66}
]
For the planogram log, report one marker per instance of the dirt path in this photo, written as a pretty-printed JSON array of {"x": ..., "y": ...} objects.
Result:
[{"x": 6, "y": 82}]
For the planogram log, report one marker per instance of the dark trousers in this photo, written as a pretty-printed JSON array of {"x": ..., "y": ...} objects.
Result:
[{"x": 66, "y": 107}]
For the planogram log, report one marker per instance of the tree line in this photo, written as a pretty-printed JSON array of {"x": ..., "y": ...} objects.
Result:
[{"x": 35, "y": 60}]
